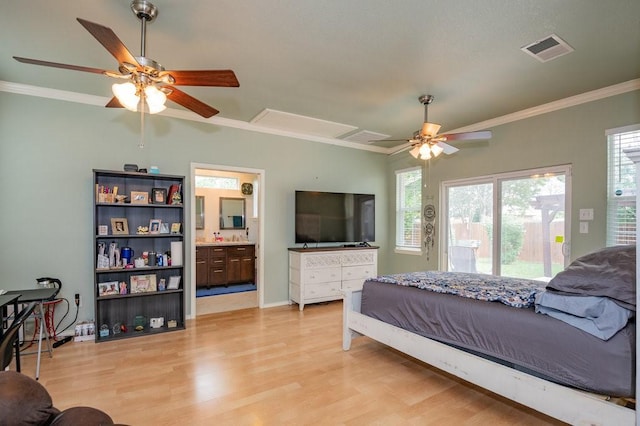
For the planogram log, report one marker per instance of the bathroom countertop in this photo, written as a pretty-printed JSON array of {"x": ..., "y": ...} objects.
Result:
[{"x": 225, "y": 243}]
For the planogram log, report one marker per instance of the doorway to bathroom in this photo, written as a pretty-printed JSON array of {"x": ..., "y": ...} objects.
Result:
[{"x": 226, "y": 244}]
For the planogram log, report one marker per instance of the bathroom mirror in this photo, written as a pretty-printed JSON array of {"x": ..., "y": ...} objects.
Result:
[
  {"x": 232, "y": 213},
  {"x": 199, "y": 212}
]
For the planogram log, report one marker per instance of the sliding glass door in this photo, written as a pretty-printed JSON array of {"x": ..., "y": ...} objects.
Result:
[{"x": 511, "y": 224}]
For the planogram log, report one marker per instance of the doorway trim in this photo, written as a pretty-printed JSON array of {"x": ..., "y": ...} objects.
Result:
[{"x": 260, "y": 173}]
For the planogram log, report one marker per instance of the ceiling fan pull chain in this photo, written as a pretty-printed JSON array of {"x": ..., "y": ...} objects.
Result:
[{"x": 142, "y": 101}]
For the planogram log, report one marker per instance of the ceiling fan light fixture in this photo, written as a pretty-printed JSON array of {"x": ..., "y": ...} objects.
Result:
[
  {"x": 436, "y": 149},
  {"x": 425, "y": 151},
  {"x": 127, "y": 95},
  {"x": 155, "y": 99},
  {"x": 415, "y": 152},
  {"x": 430, "y": 129}
]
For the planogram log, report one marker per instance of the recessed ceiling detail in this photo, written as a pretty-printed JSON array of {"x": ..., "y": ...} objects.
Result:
[
  {"x": 548, "y": 48},
  {"x": 366, "y": 137},
  {"x": 300, "y": 124}
]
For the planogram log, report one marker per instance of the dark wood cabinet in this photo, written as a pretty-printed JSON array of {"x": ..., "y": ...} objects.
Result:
[
  {"x": 240, "y": 264},
  {"x": 129, "y": 297},
  {"x": 225, "y": 265}
]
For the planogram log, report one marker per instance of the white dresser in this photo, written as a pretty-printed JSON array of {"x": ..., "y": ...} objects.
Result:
[{"x": 320, "y": 275}]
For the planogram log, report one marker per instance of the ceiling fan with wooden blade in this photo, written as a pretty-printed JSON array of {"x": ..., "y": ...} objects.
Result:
[
  {"x": 427, "y": 143},
  {"x": 146, "y": 80}
]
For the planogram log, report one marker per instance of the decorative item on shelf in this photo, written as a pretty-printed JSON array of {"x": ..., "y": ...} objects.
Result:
[
  {"x": 123, "y": 287},
  {"x": 164, "y": 228},
  {"x": 142, "y": 230},
  {"x": 158, "y": 196},
  {"x": 120, "y": 199},
  {"x": 106, "y": 194},
  {"x": 154, "y": 170},
  {"x": 103, "y": 259},
  {"x": 176, "y": 227},
  {"x": 139, "y": 197},
  {"x": 139, "y": 263},
  {"x": 143, "y": 283},
  {"x": 114, "y": 255},
  {"x": 154, "y": 226},
  {"x": 108, "y": 288},
  {"x": 156, "y": 322},
  {"x": 174, "y": 197},
  {"x": 118, "y": 328},
  {"x": 139, "y": 322},
  {"x": 174, "y": 283},
  {"x": 172, "y": 323},
  {"x": 104, "y": 330},
  {"x": 247, "y": 188},
  {"x": 130, "y": 167},
  {"x": 162, "y": 285},
  {"x": 103, "y": 230},
  {"x": 119, "y": 226}
]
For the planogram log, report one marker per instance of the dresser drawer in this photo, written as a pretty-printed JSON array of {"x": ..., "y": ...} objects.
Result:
[
  {"x": 313, "y": 276},
  {"x": 359, "y": 272},
  {"x": 330, "y": 289}
]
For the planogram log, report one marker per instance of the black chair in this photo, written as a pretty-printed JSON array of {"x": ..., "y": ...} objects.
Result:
[{"x": 10, "y": 337}]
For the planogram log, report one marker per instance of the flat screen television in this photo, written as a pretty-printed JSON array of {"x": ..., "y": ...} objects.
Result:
[{"x": 334, "y": 217}]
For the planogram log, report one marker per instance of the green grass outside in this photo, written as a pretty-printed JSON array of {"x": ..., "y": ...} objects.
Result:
[{"x": 518, "y": 268}]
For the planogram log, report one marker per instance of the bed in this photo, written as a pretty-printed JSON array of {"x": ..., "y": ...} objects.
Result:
[{"x": 498, "y": 341}]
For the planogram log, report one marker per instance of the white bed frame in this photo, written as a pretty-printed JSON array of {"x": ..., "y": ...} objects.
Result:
[
  {"x": 563, "y": 403},
  {"x": 566, "y": 404}
]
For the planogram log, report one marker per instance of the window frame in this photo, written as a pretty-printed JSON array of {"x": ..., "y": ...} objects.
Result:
[
  {"x": 401, "y": 245},
  {"x": 618, "y": 140}
]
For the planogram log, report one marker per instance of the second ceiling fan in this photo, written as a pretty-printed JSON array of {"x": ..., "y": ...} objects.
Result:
[
  {"x": 147, "y": 80},
  {"x": 426, "y": 143}
]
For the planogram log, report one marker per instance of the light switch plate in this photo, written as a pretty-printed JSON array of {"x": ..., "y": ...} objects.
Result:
[
  {"x": 586, "y": 214},
  {"x": 584, "y": 227}
]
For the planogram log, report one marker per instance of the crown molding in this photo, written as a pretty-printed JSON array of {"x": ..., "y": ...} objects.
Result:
[{"x": 100, "y": 101}]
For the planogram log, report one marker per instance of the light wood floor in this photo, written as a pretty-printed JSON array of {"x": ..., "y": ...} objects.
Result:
[{"x": 275, "y": 366}]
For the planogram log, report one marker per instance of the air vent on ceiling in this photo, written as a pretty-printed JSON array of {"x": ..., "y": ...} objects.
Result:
[
  {"x": 548, "y": 48},
  {"x": 365, "y": 136}
]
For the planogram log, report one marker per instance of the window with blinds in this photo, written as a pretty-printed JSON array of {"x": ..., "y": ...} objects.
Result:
[
  {"x": 408, "y": 208},
  {"x": 621, "y": 186}
]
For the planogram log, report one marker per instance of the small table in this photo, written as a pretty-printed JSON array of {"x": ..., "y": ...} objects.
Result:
[
  {"x": 40, "y": 295},
  {"x": 6, "y": 300}
]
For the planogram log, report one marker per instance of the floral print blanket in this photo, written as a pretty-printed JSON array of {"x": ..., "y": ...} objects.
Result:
[{"x": 515, "y": 292}]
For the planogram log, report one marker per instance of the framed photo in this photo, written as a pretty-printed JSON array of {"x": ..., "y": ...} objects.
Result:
[
  {"x": 138, "y": 197},
  {"x": 103, "y": 230},
  {"x": 176, "y": 227},
  {"x": 108, "y": 288},
  {"x": 158, "y": 196},
  {"x": 119, "y": 226},
  {"x": 164, "y": 228},
  {"x": 154, "y": 226},
  {"x": 143, "y": 283},
  {"x": 174, "y": 283}
]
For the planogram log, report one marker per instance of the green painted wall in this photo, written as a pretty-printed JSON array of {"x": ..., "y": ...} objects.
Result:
[
  {"x": 48, "y": 149},
  {"x": 573, "y": 136}
]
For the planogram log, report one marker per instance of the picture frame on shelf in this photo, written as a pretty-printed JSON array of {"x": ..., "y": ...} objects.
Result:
[
  {"x": 158, "y": 196},
  {"x": 176, "y": 227},
  {"x": 119, "y": 226},
  {"x": 143, "y": 283},
  {"x": 164, "y": 228},
  {"x": 154, "y": 226},
  {"x": 139, "y": 197},
  {"x": 103, "y": 229},
  {"x": 108, "y": 288},
  {"x": 174, "y": 283}
]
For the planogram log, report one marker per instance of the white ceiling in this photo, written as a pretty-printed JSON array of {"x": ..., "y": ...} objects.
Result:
[{"x": 359, "y": 63}]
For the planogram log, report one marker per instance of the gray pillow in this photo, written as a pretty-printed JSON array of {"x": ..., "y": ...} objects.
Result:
[{"x": 609, "y": 272}]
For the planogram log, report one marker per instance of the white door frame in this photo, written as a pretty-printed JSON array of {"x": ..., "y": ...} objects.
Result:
[{"x": 259, "y": 243}]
